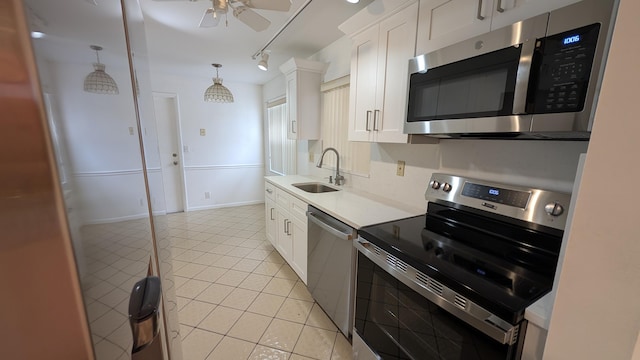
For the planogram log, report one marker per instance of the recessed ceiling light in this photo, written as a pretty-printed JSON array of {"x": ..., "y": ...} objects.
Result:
[
  {"x": 353, "y": 1},
  {"x": 37, "y": 34}
]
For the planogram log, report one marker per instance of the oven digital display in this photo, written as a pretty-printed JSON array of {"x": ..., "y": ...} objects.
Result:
[{"x": 509, "y": 197}]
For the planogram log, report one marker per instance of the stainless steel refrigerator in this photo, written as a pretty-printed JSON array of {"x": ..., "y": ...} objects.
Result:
[{"x": 85, "y": 261}]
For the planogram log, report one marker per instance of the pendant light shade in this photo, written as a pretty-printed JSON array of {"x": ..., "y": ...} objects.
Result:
[
  {"x": 217, "y": 92},
  {"x": 99, "y": 82}
]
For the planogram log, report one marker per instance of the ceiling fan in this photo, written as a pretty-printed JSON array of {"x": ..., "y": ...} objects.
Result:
[{"x": 243, "y": 11}]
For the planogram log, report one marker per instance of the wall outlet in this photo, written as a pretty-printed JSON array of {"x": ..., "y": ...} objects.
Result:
[
  {"x": 207, "y": 195},
  {"x": 185, "y": 148},
  {"x": 203, "y": 132},
  {"x": 311, "y": 156},
  {"x": 400, "y": 169},
  {"x": 130, "y": 130},
  {"x": 141, "y": 202}
]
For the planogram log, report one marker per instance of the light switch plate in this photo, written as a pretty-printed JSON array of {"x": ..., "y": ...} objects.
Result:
[{"x": 400, "y": 170}]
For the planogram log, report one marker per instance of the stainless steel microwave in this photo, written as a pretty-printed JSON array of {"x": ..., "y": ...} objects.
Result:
[{"x": 536, "y": 79}]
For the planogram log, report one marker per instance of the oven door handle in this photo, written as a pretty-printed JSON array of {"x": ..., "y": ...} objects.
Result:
[
  {"x": 330, "y": 229},
  {"x": 447, "y": 299}
]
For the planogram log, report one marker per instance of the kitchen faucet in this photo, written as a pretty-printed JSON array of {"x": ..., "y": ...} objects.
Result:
[{"x": 339, "y": 178}]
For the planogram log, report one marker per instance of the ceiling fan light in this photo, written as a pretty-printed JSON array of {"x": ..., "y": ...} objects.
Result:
[{"x": 263, "y": 64}]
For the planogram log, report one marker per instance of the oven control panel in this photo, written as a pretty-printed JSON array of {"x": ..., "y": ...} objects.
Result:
[{"x": 529, "y": 204}]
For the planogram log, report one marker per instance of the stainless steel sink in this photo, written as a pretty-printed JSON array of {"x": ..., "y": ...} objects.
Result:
[{"x": 315, "y": 187}]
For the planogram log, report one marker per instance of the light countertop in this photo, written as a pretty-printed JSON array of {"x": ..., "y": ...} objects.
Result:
[{"x": 349, "y": 205}]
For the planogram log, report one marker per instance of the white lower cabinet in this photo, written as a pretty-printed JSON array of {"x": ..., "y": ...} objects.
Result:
[
  {"x": 270, "y": 213},
  {"x": 286, "y": 226}
]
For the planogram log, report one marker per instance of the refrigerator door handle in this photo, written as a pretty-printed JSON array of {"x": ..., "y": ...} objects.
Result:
[{"x": 144, "y": 312}]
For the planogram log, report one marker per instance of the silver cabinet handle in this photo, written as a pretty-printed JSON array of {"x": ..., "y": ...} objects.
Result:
[
  {"x": 293, "y": 129},
  {"x": 368, "y": 118},
  {"x": 285, "y": 227},
  {"x": 269, "y": 191},
  {"x": 271, "y": 214},
  {"x": 288, "y": 223},
  {"x": 479, "y": 16},
  {"x": 499, "y": 6},
  {"x": 375, "y": 120}
]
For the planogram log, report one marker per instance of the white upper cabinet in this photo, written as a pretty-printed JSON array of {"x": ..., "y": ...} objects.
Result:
[
  {"x": 379, "y": 74},
  {"x": 303, "y": 79},
  {"x": 507, "y": 12},
  {"x": 445, "y": 22}
]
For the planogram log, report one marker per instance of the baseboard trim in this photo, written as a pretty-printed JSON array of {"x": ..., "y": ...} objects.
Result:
[{"x": 219, "y": 206}]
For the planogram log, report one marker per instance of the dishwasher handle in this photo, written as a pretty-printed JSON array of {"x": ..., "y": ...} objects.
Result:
[{"x": 313, "y": 217}]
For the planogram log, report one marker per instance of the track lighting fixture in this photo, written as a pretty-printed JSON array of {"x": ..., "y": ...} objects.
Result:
[{"x": 264, "y": 62}]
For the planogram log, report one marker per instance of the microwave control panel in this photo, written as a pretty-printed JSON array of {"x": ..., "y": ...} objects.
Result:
[{"x": 565, "y": 62}]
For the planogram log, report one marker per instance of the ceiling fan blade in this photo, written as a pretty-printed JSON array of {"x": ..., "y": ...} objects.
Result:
[
  {"x": 276, "y": 5},
  {"x": 254, "y": 20},
  {"x": 208, "y": 20}
]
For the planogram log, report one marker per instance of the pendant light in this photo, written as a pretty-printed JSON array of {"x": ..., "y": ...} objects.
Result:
[
  {"x": 99, "y": 82},
  {"x": 217, "y": 92}
]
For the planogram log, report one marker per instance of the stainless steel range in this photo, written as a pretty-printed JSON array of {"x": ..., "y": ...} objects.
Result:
[{"x": 454, "y": 283}]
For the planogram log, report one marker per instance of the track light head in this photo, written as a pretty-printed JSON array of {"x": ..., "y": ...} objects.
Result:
[{"x": 264, "y": 62}]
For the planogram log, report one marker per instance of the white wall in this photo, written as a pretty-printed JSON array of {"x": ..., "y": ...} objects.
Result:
[
  {"x": 104, "y": 157},
  {"x": 596, "y": 314},
  {"x": 228, "y": 160}
]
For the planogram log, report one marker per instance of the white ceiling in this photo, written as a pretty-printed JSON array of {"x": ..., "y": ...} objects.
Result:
[{"x": 176, "y": 44}]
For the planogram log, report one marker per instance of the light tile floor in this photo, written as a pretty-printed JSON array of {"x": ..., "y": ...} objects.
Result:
[{"x": 237, "y": 298}]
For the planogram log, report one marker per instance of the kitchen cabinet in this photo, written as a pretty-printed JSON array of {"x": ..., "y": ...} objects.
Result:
[
  {"x": 507, "y": 12},
  {"x": 270, "y": 213},
  {"x": 379, "y": 75},
  {"x": 289, "y": 231},
  {"x": 445, "y": 22},
  {"x": 303, "y": 78}
]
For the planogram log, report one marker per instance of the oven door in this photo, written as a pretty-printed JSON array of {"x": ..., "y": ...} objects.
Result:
[{"x": 393, "y": 321}]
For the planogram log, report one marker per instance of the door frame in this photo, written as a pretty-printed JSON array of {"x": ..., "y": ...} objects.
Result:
[{"x": 183, "y": 177}]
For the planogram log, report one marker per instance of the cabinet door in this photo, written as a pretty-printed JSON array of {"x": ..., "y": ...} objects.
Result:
[
  {"x": 397, "y": 39},
  {"x": 507, "y": 12},
  {"x": 284, "y": 243},
  {"x": 270, "y": 216},
  {"x": 299, "y": 255},
  {"x": 292, "y": 105},
  {"x": 445, "y": 22},
  {"x": 363, "y": 84}
]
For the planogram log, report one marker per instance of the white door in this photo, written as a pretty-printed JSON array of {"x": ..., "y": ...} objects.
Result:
[{"x": 166, "y": 108}]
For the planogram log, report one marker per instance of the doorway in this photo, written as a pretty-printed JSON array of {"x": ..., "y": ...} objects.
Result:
[{"x": 166, "y": 111}]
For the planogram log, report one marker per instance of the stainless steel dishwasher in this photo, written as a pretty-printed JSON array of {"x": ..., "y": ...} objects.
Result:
[{"x": 330, "y": 267}]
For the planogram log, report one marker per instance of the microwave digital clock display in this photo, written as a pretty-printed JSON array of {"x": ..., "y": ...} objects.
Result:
[{"x": 571, "y": 40}]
